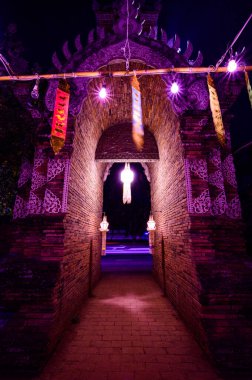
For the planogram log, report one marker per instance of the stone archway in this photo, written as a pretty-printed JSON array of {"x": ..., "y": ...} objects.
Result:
[{"x": 174, "y": 266}]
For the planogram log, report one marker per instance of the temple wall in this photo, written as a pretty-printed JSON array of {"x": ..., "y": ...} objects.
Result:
[{"x": 217, "y": 243}]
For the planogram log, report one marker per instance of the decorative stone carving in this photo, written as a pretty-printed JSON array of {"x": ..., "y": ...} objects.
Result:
[
  {"x": 20, "y": 208},
  {"x": 38, "y": 180},
  {"x": 196, "y": 96},
  {"x": 219, "y": 204},
  {"x": 25, "y": 173},
  {"x": 35, "y": 205},
  {"x": 199, "y": 167},
  {"x": 121, "y": 25},
  {"x": 216, "y": 179},
  {"x": 201, "y": 204},
  {"x": 55, "y": 167},
  {"x": 229, "y": 170},
  {"x": 234, "y": 208},
  {"x": 52, "y": 204},
  {"x": 146, "y": 171},
  {"x": 215, "y": 158}
]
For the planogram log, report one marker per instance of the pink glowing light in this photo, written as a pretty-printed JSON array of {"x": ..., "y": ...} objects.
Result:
[
  {"x": 232, "y": 65},
  {"x": 103, "y": 92},
  {"x": 174, "y": 88}
]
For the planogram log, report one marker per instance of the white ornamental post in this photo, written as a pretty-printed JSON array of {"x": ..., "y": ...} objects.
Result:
[
  {"x": 104, "y": 229},
  {"x": 151, "y": 226}
]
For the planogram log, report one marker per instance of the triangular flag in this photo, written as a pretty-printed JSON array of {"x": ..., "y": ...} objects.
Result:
[
  {"x": 216, "y": 111},
  {"x": 59, "y": 123},
  {"x": 137, "y": 119},
  {"x": 248, "y": 87}
]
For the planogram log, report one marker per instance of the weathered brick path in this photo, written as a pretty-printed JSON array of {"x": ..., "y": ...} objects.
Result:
[{"x": 127, "y": 331}]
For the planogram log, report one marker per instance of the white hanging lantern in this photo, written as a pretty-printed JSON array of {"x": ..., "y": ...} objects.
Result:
[
  {"x": 151, "y": 224},
  {"x": 127, "y": 177},
  {"x": 104, "y": 224}
]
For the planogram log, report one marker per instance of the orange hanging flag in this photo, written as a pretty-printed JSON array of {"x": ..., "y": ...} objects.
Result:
[
  {"x": 248, "y": 87},
  {"x": 137, "y": 119},
  {"x": 59, "y": 123},
  {"x": 216, "y": 111}
]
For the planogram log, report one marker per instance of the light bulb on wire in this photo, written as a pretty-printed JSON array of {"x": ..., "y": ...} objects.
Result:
[
  {"x": 103, "y": 92},
  {"x": 232, "y": 65},
  {"x": 174, "y": 88}
]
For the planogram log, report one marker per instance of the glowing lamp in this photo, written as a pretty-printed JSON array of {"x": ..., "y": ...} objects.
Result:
[
  {"x": 127, "y": 174},
  {"x": 127, "y": 177},
  {"x": 174, "y": 88},
  {"x": 232, "y": 65},
  {"x": 103, "y": 92},
  {"x": 104, "y": 224},
  {"x": 151, "y": 224}
]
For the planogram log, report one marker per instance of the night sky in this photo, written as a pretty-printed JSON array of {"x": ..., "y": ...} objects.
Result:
[{"x": 210, "y": 25}]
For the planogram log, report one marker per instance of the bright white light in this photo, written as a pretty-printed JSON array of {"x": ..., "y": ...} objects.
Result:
[
  {"x": 103, "y": 92},
  {"x": 127, "y": 175},
  {"x": 232, "y": 65},
  {"x": 174, "y": 88}
]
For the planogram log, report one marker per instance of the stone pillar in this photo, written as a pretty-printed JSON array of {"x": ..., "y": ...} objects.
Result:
[
  {"x": 217, "y": 244},
  {"x": 104, "y": 238},
  {"x": 151, "y": 241}
]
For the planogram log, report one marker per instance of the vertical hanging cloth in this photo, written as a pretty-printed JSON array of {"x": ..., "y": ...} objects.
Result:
[
  {"x": 59, "y": 123},
  {"x": 248, "y": 87},
  {"x": 127, "y": 177},
  {"x": 216, "y": 111},
  {"x": 137, "y": 119}
]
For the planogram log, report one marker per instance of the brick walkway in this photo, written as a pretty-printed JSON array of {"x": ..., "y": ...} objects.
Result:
[{"x": 128, "y": 330}]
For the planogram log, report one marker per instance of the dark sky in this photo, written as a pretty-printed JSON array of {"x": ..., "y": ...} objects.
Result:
[{"x": 210, "y": 25}]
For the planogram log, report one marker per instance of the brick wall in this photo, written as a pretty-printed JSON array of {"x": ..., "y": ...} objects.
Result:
[
  {"x": 219, "y": 254},
  {"x": 173, "y": 262}
]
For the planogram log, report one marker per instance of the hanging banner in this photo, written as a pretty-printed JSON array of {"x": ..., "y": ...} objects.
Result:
[
  {"x": 216, "y": 111},
  {"x": 137, "y": 119},
  {"x": 127, "y": 177},
  {"x": 248, "y": 87},
  {"x": 59, "y": 123}
]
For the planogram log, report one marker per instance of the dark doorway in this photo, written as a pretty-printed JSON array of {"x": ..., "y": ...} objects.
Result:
[{"x": 127, "y": 239}]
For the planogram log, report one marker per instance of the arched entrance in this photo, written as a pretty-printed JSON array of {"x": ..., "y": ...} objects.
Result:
[
  {"x": 116, "y": 145},
  {"x": 131, "y": 219}
]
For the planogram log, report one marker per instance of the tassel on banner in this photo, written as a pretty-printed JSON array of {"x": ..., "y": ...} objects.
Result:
[
  {"x": 137, "y": 119},
  {"x": 248, "y": 87},
  {"x": 59, "y": 123},
  {"x": 216, "y": 111}
]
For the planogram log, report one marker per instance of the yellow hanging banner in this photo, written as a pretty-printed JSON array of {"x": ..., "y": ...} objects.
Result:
[
  {"x": 137, "y": 122},
  {"x": 216, "y": 111},
  {"x": 248, "y": 87}
]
